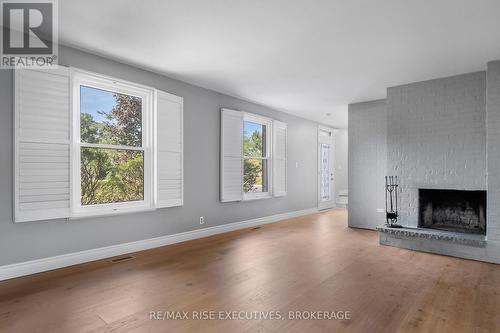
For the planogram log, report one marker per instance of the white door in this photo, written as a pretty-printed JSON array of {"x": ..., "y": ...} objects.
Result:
[{"x": 326, "y": 196}]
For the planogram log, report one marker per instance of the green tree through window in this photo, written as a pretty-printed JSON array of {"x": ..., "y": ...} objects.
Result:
[
  {"x": 255, "y": 162},
  {"x": 110, "y": 175}
]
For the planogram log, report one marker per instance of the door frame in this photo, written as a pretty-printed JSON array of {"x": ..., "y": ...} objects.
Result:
[{"x": 332, "y": 203}]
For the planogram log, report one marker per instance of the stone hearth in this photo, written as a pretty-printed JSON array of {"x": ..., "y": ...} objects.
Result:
[{"x": 399, "y": 236}]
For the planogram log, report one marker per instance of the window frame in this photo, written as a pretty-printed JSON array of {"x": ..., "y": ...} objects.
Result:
[
  {"x": 82, "y": 78},
  {"x": 268, "y": 122}
]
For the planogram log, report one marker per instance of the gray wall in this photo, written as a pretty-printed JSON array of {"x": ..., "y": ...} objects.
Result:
[
  {"x": 493, "y": 156},
  {"x": 25, "y": 241},
  {"x": 367, "y": 163},
  {"x": 340, "y": 160},
  {"x": 436, "y": 137}
]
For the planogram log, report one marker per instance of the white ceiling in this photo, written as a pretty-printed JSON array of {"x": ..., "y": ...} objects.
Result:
[{"x": 306, "y": 57}]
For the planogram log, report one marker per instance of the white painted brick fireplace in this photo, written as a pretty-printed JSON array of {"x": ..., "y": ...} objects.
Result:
[
  {"x": 436, "y": 137},
  {"x": 442, "y": 134}
]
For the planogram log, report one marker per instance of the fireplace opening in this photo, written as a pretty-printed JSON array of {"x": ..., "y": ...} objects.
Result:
[{"x": 453, "y": 210}]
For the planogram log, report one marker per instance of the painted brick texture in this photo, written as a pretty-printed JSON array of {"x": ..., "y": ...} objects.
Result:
[
  {"x": 445, "y": 133},
  {"x": 436, "y": 137},
  {"x": 442, "y": 133}
]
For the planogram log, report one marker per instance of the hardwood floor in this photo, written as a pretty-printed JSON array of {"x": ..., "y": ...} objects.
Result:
[{"x": 310, "y": 263}]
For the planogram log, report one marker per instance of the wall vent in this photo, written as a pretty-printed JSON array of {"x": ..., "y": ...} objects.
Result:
[{"x": 121, "y": 259}]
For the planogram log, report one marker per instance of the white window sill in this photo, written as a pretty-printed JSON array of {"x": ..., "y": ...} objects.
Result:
[
  {"x": 110, "y": 212},
  {"x": 251, "y": 197}
]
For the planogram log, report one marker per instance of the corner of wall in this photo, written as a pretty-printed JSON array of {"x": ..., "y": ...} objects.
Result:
[{"x": 367, "y": 160}]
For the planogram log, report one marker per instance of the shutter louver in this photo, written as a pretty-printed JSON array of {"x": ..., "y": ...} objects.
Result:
[
  {"x": 41, "y": 144},
  {"x": 169, "y": 150},
  {"x": 231, "y": 150},
  {"x": 279, "y": 158}
]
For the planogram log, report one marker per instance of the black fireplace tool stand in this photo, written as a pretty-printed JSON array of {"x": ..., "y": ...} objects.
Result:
[{"x": 391, "y": 202}]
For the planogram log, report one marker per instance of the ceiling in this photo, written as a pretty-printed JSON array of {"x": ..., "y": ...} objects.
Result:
[{"x": 309, "y": 58}]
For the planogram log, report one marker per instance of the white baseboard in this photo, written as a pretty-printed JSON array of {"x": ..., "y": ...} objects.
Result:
[{"x": 64, "y": 260}]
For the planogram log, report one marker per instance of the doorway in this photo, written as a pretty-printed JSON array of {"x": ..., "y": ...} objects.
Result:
[{"x": 326, "y": 192}]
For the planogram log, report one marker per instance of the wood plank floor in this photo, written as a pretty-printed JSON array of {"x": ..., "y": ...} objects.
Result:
[{"x": 310, "y": 263}]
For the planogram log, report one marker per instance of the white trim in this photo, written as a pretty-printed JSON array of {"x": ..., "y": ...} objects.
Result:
[
  {"x": 65, "y": 260},
  {"x": 268, "y": 122},
  {"x": 249, "y": 196},
  {"x": 104, "y": 79},
  {"x": 146, "y": 94},
  {"x": 256, "y": 118}
]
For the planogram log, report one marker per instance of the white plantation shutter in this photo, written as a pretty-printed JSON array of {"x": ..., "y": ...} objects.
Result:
[
  {"x": 231, "y": 150},
  {"x": 279, "y": 158},
  {"x": 41, "y": 144},
  {"x": 169, "y": 143}
]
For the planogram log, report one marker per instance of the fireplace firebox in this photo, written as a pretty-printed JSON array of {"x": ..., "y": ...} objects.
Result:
[{"x": 453, "y": 210}]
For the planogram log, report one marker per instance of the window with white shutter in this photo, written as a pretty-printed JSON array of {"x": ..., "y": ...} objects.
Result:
[
  {"x": 253, "y": 156},
  {"x": 87, "y": 144},
  {"x": 41, "y": 144}
]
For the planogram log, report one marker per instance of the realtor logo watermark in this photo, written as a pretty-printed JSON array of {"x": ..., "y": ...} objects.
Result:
[{"x": 29, "y": 34}]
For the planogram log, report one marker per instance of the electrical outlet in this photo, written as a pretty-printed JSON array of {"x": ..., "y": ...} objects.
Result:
[{"x": 202, "y": 220}]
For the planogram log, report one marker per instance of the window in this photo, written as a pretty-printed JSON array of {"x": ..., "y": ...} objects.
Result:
[
  {"x": 256, "y": 156},
  {"x": 253, "y": 156},
  {"x": 113, "y": 155},
  {"x": 87, "y": 145}
]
